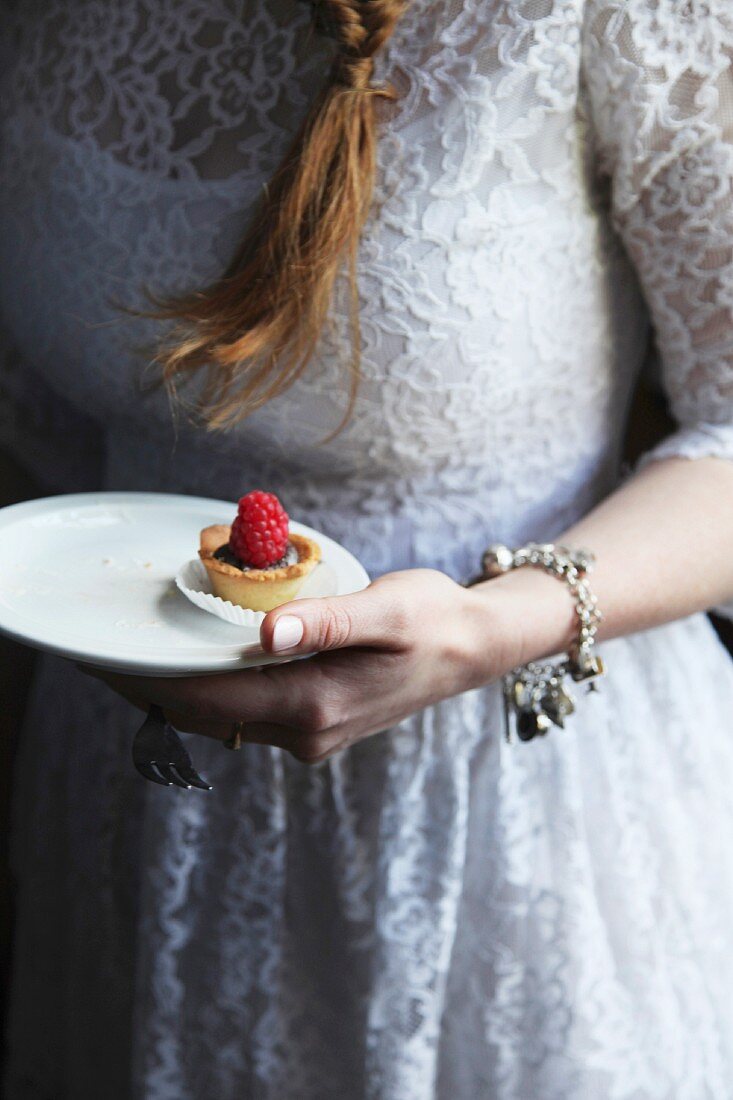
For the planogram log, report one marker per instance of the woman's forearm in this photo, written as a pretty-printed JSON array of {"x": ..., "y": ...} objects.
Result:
[{"x": 663, "y": 543}]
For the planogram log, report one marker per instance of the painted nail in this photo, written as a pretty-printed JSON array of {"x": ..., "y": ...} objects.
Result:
[{"x": 287, "y": 632}]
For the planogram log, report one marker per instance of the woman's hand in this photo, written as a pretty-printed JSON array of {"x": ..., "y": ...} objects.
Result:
[{"x": 409, "y": 640}]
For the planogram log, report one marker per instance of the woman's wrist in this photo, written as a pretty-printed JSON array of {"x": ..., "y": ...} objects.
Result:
[{"x": 520, "y": 616}]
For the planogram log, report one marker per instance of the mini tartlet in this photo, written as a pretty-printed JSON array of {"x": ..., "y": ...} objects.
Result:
[{"x": 250, "y": 587}]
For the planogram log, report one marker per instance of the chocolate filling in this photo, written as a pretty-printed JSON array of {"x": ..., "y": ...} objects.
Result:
[{"x": 226, "y": 554}]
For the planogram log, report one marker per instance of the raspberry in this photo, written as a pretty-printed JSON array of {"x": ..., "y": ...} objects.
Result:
[{"x": 259, "y": 534}]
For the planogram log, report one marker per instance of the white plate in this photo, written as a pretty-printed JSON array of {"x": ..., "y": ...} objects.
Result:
[{"x": 90, "y": 576}]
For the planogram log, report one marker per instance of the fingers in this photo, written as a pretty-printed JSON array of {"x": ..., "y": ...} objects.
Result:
[
  {"x": 210, "y": 705},
  {"x": 220, "y": 699},
  {"x": 308, "y": 748},
  {"x": 184, "y": 723},
  {"x": 378, "y": 616},
  {"x": 292, "y": 696},
  {"x": 257, "y": 733}
]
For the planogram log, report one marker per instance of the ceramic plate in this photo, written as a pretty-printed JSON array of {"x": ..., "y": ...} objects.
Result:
[{"x": 91, "y": 577}]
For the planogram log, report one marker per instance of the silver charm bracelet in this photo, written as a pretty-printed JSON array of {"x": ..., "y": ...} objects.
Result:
[{"x": 535, "y": 697}]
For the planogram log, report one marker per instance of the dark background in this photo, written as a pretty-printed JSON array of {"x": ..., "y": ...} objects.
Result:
[{"x": 649, "y": 421}]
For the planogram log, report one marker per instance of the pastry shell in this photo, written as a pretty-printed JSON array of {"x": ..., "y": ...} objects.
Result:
[{"x": 256, "y": 589}]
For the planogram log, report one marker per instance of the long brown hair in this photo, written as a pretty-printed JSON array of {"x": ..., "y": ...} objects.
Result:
[{"x": 256, "y": 328}]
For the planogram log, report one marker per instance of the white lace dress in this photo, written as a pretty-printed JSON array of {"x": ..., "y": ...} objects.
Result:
[{"x": 432, "y": 913}]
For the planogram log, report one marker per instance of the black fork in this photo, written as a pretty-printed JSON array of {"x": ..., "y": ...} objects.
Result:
[{"x": 159, "y": 754}]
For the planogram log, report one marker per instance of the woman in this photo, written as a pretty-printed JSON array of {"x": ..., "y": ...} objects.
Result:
[{"x": 429, "y": 912}]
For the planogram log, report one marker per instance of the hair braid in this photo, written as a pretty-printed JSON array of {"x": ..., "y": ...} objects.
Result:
[{"x": 256, "y": 328}]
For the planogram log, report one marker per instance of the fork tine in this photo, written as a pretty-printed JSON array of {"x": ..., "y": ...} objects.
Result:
[
  {"x": 179, "y": 756},
  {"x": 192, "y": 777},
  {"x": 169, "y": 775},
  {"x": 149, "y": 772}
]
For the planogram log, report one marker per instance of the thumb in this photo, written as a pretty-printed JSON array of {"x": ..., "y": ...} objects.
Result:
[{"x": 367, "y": 618}]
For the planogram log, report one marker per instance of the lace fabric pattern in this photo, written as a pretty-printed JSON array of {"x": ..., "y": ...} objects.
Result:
[{"x": 432, "y": 913}]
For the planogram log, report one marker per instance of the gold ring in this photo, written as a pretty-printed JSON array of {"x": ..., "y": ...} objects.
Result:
[{"x": 234, "y": 740}]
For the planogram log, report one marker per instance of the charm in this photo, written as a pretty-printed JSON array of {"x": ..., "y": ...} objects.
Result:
[
  {"x": 583, "y": 665},
  {"x": 535, "y": 700},
  {"x": 496, "y": 559},
  {"x": 530, "y": 723},
  {"x": 557, "y": 704}
]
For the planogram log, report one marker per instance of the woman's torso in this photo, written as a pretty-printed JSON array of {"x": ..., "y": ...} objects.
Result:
[{"x": 502, "y": 329}]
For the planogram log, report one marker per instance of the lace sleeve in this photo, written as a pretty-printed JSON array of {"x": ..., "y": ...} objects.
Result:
[
  {"x": 659, "y": 79},
  {"x": 660, "y": 83}
]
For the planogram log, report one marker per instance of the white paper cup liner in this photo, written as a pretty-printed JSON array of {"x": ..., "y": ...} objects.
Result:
[{"x": 193, "y": 581}]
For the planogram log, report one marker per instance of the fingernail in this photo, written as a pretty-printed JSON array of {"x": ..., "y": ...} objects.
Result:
[{"x": 287, "y": 632}]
